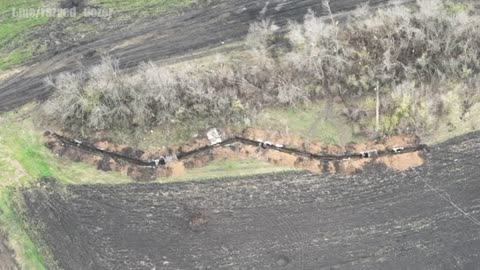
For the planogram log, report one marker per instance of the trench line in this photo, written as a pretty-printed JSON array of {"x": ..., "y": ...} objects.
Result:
[{"x": 238, "y": 139}]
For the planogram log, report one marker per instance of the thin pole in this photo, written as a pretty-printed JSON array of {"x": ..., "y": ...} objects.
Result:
[{"x": 378, "y": 109}]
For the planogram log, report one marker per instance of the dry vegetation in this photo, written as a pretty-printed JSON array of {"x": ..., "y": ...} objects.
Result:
[{"x": 424, "y": 59}]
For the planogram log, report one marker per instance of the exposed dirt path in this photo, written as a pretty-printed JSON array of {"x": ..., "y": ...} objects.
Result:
[
  {"x": 374, "y": 220},
  {"x": 169, "y": 36}
]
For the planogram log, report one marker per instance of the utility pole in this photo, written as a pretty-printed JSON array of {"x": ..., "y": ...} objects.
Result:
[{"x": 378, "y": 109}]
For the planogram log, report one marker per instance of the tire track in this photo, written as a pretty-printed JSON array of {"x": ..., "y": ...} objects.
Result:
[{"x": 165, "y": 38}]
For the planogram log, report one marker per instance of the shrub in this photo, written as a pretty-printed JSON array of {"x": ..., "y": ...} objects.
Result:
[
  {"x": 400, "y": 48},
  {"x": 411, "y": 53},
  {"x": 100, "y": 98}
]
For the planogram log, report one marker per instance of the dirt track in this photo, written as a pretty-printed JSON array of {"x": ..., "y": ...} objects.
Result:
[
  {"x": 169, "y": 36},
  {"x": 374, "y": 220}
]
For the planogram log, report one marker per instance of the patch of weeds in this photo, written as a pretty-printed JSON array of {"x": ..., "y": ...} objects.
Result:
[
  {"x": 15, "y": 57},
  {"x": 18, "y": 45},
  {"x": 144, "y": 7},
  {"x": 27, "y": 255},
  {"x": 456, "y": 7},
  {"x": 28, "y": 151},
  {"x": 229, "y": 168},
  {"x": 24, "y": 160},
  {"x": 166, "y": 135},
  {"x": 25, "y": 146},
  {"x": 314, "y": 121},
  {"x": 14, "y": 48}
]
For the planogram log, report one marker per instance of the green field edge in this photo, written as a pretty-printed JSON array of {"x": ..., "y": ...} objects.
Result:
[{"x": 18, "y": 43}]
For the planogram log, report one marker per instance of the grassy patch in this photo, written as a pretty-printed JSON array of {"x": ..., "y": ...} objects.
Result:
[
  {"x": 15, "y": 57},
  {"x": 29, "y": 153},
  {"x": 25, "y": 147},
  {"x": 166, "y": 135},
  {"x": 24, "y": 159},
  {"x": 314, "y": 121},
  {"x": 12, "y": 176},
  {"x": 229, "y": 168},
  {"x": 455, "y": 127},
  {"x": 17, "y": 45},
  {"x": 144, "y": 6},
  {"x": 13, "y": 32},
  {"x": 25, "y": 250},
  {"x": 455, "y": 7}
]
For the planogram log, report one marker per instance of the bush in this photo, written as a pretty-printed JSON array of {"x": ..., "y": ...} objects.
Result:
[
  {"x": 103, "y": 97},
  {"x": 411, "y": 53},
  {"x": 100, "y": 98}
]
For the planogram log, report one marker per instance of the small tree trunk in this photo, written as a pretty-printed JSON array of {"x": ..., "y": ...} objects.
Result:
[{"x": 377, "y": 128}]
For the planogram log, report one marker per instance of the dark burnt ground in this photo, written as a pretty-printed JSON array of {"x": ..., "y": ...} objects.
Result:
[
  {"x": 167, "y": 37},
  {"x": 374, "y": 220}
]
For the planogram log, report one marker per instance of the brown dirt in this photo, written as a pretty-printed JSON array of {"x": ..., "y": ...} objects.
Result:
[
  {"x": 249, "y": 150},
  {"x": 316, "y": 148},
  {"x": 280, "y": 159},
  {"x": 352, "y": 166},
  {"x": 314, "y": 166},
  {"x": 402, "y": 162},
  {"x": 239, "y": 151},
  {"x": 366, "y": 146},
  {"x": 278, "y": 137},
  {"x": 175, "y": 169},
  {"x": 226, "y": 153},
  {"x": 331, "y": 168},
  {"x": 104, "y": 145}
]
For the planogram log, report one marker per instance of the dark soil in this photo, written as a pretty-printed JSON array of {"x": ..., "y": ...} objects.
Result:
[
  {"x": 7, "y": 261},
  {"x": 373, "y": 220},
  {"x": 79, "y": 4},
  {"x": 167, "y": 37}
]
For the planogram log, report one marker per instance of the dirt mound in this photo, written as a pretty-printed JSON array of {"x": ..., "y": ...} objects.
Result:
[
  {"x": 402, "y": 162},
  {"x": 349, "y": 166},
  {"x": 191, "y": 159}
]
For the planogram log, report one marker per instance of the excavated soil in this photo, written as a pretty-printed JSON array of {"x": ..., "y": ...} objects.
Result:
[
  {"x": 238, "y": 151},
  {"x": 423, "y": 218}
]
